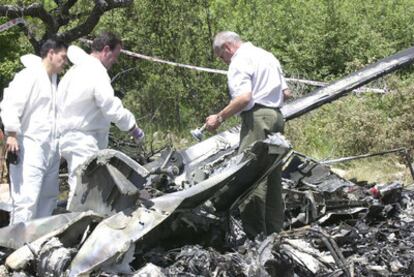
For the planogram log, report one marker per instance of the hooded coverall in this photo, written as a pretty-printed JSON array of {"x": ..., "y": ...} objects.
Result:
[
  {"x": 86, "y": 107},
  {"x": 29, "y": 109}
]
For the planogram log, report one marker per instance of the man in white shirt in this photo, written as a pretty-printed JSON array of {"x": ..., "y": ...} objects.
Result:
[
  {"x": 87, "y": 105},
  {"x": 28, "y": 111},
  {"x": 257, "y": 89}
]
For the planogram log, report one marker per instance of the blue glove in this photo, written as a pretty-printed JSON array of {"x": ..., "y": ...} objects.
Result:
[{"x": 137, "y": 134}]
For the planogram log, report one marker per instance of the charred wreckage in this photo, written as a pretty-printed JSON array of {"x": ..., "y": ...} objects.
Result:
[{"x": 158, "y": 218}]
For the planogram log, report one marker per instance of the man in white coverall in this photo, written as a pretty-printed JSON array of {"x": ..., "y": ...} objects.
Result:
[
  {"x": 87, "y": 104},
  {"x": 28, "y": 111}
]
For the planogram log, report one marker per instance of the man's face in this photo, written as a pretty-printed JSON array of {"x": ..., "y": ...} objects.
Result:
[
  {"x": 225, "y": 53},
  {"x": 58, "y": 59},
  {"x": 109, "y": 56}
]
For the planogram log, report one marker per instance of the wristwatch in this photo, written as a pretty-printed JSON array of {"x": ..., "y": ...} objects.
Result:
[{"x": 219, "y": 118}]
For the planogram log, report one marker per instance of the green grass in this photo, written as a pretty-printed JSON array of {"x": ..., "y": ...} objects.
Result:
[{"x": 383, "y": 169}]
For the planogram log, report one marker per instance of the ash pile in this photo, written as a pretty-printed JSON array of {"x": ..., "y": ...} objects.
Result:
[{"x": 156, "y": 219}]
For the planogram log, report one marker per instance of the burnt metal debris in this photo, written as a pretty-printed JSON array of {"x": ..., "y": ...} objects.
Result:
[
  {"x": 341, "y": 87},
  {"x": 157, "y": 218}
]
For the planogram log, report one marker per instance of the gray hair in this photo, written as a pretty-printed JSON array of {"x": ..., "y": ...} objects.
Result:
[{"x": 225, "y": 37}]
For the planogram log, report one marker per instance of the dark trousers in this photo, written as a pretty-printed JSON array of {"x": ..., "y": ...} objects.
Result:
[{"x": 263, "y": 209}]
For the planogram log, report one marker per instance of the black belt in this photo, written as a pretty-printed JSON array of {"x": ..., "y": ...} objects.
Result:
[{"x": 259, "y": 106}]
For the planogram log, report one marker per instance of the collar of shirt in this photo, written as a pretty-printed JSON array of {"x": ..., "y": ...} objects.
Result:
[{"x": 242, "y": 48}]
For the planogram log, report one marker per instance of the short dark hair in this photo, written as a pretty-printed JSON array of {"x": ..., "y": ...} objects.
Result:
[
  {"x": 106, "y": 38},
  {"x": 51, "y": 43}
]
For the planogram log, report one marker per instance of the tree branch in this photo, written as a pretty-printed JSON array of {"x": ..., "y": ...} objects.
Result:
[
  {"x": 34, "y": 10},
  {"x": 60, "y": 17},
  {"x": 101, "y": 6},
  {"x": 62, "y": 12},
  {"x": 68, "y": 4}
]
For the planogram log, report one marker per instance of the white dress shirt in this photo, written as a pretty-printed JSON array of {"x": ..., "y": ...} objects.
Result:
[{"x": 255, "y": 70}]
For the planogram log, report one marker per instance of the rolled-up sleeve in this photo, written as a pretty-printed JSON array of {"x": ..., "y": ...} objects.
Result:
[
  {"x": 15, "y": 97},
  {"x": 283, "y": 80}
]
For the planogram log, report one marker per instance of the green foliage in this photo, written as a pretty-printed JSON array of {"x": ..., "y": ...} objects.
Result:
[
  {"x": 49, "y": 5},
  {"x": 11, "y": 47},
  {"x": 171, "y": 97},
  {"x": 358, "y": 124},
  {"x": 316, "y": 39}
]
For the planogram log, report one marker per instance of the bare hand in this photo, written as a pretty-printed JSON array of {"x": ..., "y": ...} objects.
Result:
[
  {"x": 212, "y": 122},
  {"x": 287, "y": 94},
  {"x": 12, "y": 144}
]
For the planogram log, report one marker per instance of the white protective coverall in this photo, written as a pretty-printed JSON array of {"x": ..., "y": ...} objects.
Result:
[
  {"x": 86, "y": 107},
  {"x": 29, "y": 109}
]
